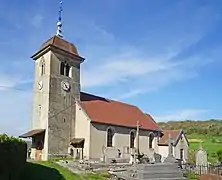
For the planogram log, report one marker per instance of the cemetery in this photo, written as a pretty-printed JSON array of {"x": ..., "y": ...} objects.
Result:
[
  {"x": 142, "y": 167},
  {"x": 139, "y": 167}
]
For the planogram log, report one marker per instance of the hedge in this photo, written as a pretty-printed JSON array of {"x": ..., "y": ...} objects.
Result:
[{"x": 13, "y": 154}]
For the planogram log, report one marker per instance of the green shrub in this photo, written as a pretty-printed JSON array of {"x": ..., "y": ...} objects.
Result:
[
  {"x": 214, "y": 154},
  {"x": 219, "y": 156},
  {"x": 191, "y": 157},
  {"x": 13, "y": 153},
  {"x": 213, "y": 140}
]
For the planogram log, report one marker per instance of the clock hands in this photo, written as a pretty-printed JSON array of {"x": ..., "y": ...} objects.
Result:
[
  {"x": 40, "y": 84},
  {"x": 66, "y": 86}
]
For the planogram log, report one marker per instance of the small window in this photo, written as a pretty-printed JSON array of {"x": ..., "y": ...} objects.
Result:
[
  {"x": 181, "y": 154},
  {"x": 132, "y": 139},
  {"x": 67, "y": 70},
  {"x": 42, "y": 66},
  {"x": 110, "y": 134},
  {"x": 39, "y": 109},
  {"x": 62, "y": 68}
]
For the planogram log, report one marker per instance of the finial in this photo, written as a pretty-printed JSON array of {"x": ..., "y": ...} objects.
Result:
[{"x": 59, "y": 23}]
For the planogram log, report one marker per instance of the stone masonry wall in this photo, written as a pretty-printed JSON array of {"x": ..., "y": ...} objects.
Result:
[{"x": 61, "y": 122}]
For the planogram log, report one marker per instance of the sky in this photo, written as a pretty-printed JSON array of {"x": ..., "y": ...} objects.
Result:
[{"x": 163, "y": 56}]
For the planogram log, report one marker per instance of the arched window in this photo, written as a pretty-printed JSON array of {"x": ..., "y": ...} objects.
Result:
[
  {"x": 67, "y": 68},
  {"x": 151, "y": 137},
  {"x": 62, "y": 68},
  {"x": 71, "y": 152},
  {"x": 132, "y": 139},
  {"x": 42, "y": 67},
  {"x": 110, "y": 134}
]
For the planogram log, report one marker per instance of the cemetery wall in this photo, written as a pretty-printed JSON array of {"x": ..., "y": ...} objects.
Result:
[{"x": 13, "y": 154}]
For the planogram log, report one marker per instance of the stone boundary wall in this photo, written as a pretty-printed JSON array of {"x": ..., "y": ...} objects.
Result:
[
  {"x": 13, "y": 154},
  {"x": 210, "y": 177}
]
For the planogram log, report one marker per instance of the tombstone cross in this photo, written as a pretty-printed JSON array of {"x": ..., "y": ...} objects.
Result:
[
  {"x": 170, "y": 146},
  {"x": 137, "y": 135},
  {"x": 137, "y": 152}
]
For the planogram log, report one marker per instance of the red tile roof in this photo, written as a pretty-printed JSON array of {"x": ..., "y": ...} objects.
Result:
[
  {"x": 174, "y": 135},
  {"x": 107, "y": 111}
]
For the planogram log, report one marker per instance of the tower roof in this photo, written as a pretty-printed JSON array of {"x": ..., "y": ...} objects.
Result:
[{"x": 60, "y": 44}]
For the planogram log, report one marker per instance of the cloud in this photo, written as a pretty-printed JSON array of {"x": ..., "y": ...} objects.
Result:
[
  {"x": 15, "y": 111},
  {"x": 120, "y": 63},
  {"x": 186, "y": 114},
  {"x": 37, "y": 21},
  {"x": 162, "y": 58},
  {"x": 15, "y": 104},
  {"x": 130, "y": 75},
  {"x": 119, "y": 69},
  {"x": 11, "y": 81}
]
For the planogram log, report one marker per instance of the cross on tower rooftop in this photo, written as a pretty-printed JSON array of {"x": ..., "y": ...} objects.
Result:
[{"x": 59, "y": 23}]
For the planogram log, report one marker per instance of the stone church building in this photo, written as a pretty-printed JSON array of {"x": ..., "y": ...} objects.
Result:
[{"x": 68, "y": 121}]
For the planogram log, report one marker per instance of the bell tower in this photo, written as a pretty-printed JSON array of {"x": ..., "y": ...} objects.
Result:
[{"x": 56, "y": 89}]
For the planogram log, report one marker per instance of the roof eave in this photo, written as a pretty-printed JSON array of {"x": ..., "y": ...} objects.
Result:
[
  {"x": 178, "y": 137},
  {"x": 94, "y": 121},
  {"x": 164, "y": 144},
  {"x": 52, "y": 47},
  {"x": 32, "y": 133}
]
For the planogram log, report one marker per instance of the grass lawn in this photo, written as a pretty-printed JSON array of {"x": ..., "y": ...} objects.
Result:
[
  {"x": 210, "y": 144},
  {"x": 51, "y": 171}
]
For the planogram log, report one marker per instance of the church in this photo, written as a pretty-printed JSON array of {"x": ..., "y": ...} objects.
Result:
[{"x": 67, "y": 121}]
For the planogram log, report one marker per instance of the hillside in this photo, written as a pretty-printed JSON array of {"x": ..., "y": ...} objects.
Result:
[{"x": 211, "y": 127}]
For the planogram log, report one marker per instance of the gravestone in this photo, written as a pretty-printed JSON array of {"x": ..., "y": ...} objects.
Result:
[
  {"x": 103, "y": 155},
  {"x": 157, "y": 158},
  {"x": 168, "y": 170},
  {"x": 151, "y": 155},
  {"x": 201, "y": 161}
]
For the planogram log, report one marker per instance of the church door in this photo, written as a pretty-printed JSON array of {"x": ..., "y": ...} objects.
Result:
[{"x": 38, "y": 155}]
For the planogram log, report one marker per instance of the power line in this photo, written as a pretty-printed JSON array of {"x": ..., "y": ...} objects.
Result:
[
  {"x": 59, "y": 112},
  {"x": 66, "y": 108},
  {"x": 23, "y": 90}
]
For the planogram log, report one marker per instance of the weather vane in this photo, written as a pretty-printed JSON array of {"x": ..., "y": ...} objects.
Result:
[{"x": 59, "y": 23}]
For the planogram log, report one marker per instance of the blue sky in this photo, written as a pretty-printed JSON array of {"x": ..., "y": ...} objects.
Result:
[{"x": 163, "y": 56}]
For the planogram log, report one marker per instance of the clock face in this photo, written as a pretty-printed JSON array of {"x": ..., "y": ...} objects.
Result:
[
  {"x": 40, "y": 85},
  {"x": 65, "y": 86}
]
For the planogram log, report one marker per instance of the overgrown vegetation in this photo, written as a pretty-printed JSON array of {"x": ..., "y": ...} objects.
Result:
[{"x": 13, "y": 154}]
